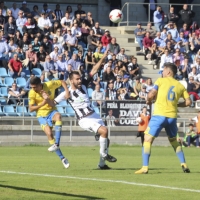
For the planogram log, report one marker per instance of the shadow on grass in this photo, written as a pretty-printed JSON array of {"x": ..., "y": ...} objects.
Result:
[
  {"x": 49, "y": 192},
  {"x": 130, "y": 169}
]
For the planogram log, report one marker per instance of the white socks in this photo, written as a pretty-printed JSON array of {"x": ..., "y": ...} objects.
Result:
[{"x": 103, "y": 150}]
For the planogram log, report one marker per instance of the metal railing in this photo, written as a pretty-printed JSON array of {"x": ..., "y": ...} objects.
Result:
[{"x": 126, "y": 11}]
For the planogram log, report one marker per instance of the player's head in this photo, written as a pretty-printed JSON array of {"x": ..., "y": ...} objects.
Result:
[
  {"x": 169, "y": 70},
  {"x": 35, "y": 84},
  {"x": 75, "y": 79}
]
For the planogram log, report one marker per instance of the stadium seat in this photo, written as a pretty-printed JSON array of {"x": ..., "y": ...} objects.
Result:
[
  {"x": 3, "y": 72},
  {"x": 26, "y": 71},
  {"x": 96, "y": 109},
  {"x": 61, "y": 111},
  {"x": 22, "y": 111},
  {"x": 32, "y": 114},
  {"x": 90, "y": 90},
  {"x": 1, "y": 113},
  {"x": 8, "y": 81},
  {"x": 69, "y": 111},
  {"x": 63, "y": 103},
  {"x": 9, "y": 110},
  {"x": 4, "y": 92},
  {"x": 1, "y": 83},
  {"x": 21, "y": 82},
  {"x": 37, "y": 72}
]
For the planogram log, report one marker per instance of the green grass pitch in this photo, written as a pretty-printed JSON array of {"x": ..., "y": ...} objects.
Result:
[{"x": 41, "y": 175}]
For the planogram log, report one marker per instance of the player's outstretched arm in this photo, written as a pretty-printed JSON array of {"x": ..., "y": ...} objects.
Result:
[
  {"x": 151, "y": 96},
  {"x": 186, "y": 103},
  {"x": 98, "y": 65},
  {"x": 67, "y": 94}
]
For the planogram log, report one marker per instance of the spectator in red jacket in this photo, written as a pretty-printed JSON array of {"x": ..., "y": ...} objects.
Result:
[
  {"x": 147, "y": 43},
  {"x": 106, "y": 38},
  {"x": 15, "y": 67}
]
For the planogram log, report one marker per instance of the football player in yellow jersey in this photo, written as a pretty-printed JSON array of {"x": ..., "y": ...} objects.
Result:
[
  {"x": 167, "y": 92},
  {"x": 47, "y": 115}
]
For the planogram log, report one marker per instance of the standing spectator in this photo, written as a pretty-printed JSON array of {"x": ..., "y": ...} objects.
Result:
[
  {"x": 91, "y": 40},
  {"x": 9, "y": 29},
  {"x": 106, "y": 38},
  {"x": 58, "y": 13},
  {"x": 186, "y": 15},
  {"x": 152, "y": 4},
  {"x": 14, "y": 10},
  {"x": 150, "y": 30},
  {"x": 20, "y": 22},
  {"x": 139, "y": 34},
  {"x": 26, "y": 10},
  {"x": 15, "y": 67},
  {"x": 111, "y": 93},
  {"x": 80, "y": 11},
  {"x": 172, "y": 16},
  {"x": 113, "y": 47},
  {"x": 158, "y": 19},
  {"x": 98, "y": 96}
]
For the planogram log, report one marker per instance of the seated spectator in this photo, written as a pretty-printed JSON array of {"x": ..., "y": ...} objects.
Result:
[
  {"x": 166, "y": 57},
  {"x": 58, "y": 35},
  {"x": 155, "y": 55},
  {"x": 80, "y": 57},
  {"x": 109, "y": 64},
  {"x": 76, "y": 31},
  {"x": 84, "y": 74},
  {"x": 66, "y": 22},
  {"x": 182, "y": 43},
  {"x": 69, "y": 71},
  {"x": 159, "y": 41},
  {"x": 57, "y": 44},
  {"x": 125, "y": 83},
  {"x": 106, "y": 38},
  {"x": 121, "y": 55},
  {"x": 191, "y": 136},
  {"x": 4, "y": 50},
  {"x": 61, "y": 67},
  {"x": 41, "y": 56},
  {"x": 178, "y": 58},
  {"x": 98, "y": 54},
  {"x": 10, "y": 29},
  {"x": 15, "y": 95},
  {"x": 20, "y": 22},
  {"x": 170, "y": 48},
  {"x": 28, "y": 87},
  {"x": 50, "y": 70},
  {"x": 35, "y": 13},
  {"x": 2, "y": 20},
  {"x": 17, "y": 38},
  {"x": 139, "y": 35},
  {"x": 184, "y": 70},
  {"x": 36, "y": 45},
  {"x": 24, "y": 43},
  {"x": 89, "y": 61},
  {"x": 97, "y": 31},
  {"x": 147, "y": 43},
  {"x": 143, "y": 94},
  {"x": 186, "y": 31},
  {"x": 116, "y": 71},
  {"x": 54, "y": 54},
  {"x": 49, "y": 13},
  {"x": 149, "y": 85},
  {"x": 98, "y": 96},
  {"x": 19, "y": 53},
  {"x": 137, "y": 86},
  {"x": 118, "y": 82},
  {"x": 122, "y": 94},
  {"x": 54, "y": 28},
  {"x": 194, "y": 73},
  {"x": 91, "y": 40},
  {"x": 197, "y": 57},
  {"x": 113, "y": 47},
  {"x": 151, "y": 31},
  {"x": 108, "y": 75},
  {"x": 44, "y": 23},
  {"x": 78, "y": 20},
  {"x": 133, "y": 68},
  {"x": 164, "y": 34},
  {"x": 15, "y": 67},
  {"x": 26, "y": 10},
  {"x": 111, "y": 93},
  {"x": 172, "y": 30},
  {"x": 194, "y": 27},
  {"x": 89, "y": 20},
  {"x": 46, "y": 45},
  {"x": 74, "y": 62},
  {"x": 12, "y": 47},
  {"x": 194, "y": 42},
  {"x": 32, "y": 57},
  {"x": 85, "y": 31}
]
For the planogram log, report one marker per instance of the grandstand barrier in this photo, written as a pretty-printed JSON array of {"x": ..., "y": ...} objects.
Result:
[{"x": 127, "y": 20}]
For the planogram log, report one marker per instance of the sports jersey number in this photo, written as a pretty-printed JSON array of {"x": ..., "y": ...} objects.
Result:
[{"x": 171, "y": 94}]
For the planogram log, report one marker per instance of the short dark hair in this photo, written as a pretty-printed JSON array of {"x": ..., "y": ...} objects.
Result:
[
  {"x": 72, "y": 74},
  {"x": 172, "y": 67},
  {"x": 191, "y": 124},
  {"x": 35, "y": 81}
]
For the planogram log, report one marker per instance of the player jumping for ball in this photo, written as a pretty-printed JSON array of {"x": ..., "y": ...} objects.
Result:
[
  {"x": 167, "y": 91},
  {"x": 87, "y": 118}
]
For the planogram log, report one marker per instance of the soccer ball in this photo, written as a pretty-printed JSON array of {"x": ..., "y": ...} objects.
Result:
[
  {"x": 116, "y": 16},
  {"x": 139, "y": 120}
]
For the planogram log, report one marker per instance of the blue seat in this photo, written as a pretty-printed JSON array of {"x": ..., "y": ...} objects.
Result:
[
  {"x": 4, "y": 92},
  {"x": 1, "y": 83},
  {"x": 96, "y": 109},
  {"x": 26, "y": 71},
  {"x": 61, "y": 111},
  {"x": 9, "y": 110},
  {"x": 22, "y": 111},
  {"x": 21, "y": 82},
  {"x": 32, "y": 114},
  {"x": 8, "y": 81},
  {"x": 37, "y": 72},
  {"x": 63, "y": 103},
  {"x": 69, "y": 111},
  {"x": 1, "y": 113},
  {"x": 90, "y": 90},
  {"x": 3, "y": 72}
]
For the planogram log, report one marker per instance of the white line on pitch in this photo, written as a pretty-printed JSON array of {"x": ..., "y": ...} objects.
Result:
[{"x": 103, "y": 180}]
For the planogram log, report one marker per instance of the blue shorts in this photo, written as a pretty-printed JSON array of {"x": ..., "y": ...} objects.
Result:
[
  {"x": 158, "y": 122},
  {"x": 47, "y": 120}
]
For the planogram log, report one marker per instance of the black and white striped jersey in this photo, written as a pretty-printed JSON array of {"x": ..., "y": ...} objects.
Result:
[{"x": 79, "y": 100}]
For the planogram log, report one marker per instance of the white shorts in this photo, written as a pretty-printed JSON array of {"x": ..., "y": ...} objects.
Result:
[{"x": 91, "y": 123}]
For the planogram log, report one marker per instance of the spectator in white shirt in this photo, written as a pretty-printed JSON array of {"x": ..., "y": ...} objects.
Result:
[
  {"x": 66, "y": 22},
  {"x": 121, "y": 55},
  {"x": 55, "y": 43},
  {"x": 20, "y": 22},
  {"x": 76, "y": 31},
  {"x": 44, "y": 23},
  {"x": 194, "y": 74},
  {"x": 59, "y": 36},
  {"x": 14, "y": 10},
  {"x": 98, "y": 96},
  {"x": 166, "y": 57},
  {"x": 54, "y": 54},
  {"x": 143, "y": 93}
]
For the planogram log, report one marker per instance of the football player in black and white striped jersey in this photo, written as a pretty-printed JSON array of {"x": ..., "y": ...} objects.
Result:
[{"x": 87, "y": 118}]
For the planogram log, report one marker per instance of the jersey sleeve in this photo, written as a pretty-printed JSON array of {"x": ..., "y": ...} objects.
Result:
[
  {"x": 157, "y": 84},
  {"x": 60, "y": 97},
  {"x": 185, "y": 94},
  {"x": 54, "y": 84},
  {"x": 31, "y": 97}
]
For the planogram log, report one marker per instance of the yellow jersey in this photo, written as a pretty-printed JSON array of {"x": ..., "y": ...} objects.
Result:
[
  {"x": 36, "y": 98},
  {"x": 169, "y": 92}
]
